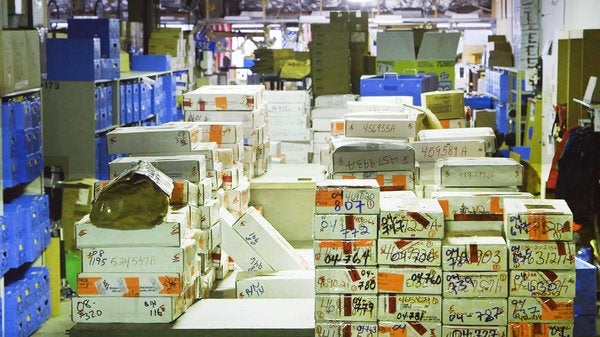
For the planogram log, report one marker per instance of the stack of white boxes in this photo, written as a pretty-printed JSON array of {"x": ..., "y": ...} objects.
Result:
[
  {"x": 327, "y": 118},
  {"x": 289, "y": 124},
  {"x": 234, "y": 103},
  {"x": 410, "y": 273},
  {"x": 145, "y": 275},
  {"x": 391, "y": 162},
  {"x": 542, "y": 267},
  {"x": 345, "y": 255},
  {"x": 178, "y": 150}
]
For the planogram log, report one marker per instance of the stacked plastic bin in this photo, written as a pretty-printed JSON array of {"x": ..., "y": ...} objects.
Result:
[
  {"x": 22, "y": 155},
  {"x": 542, "y": 266},
  {"x": 27, "y": 302},
  {"x": 345, "y": 233}
]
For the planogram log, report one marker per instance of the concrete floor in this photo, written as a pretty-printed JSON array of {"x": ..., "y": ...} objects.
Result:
[{"x": 57, "y": 326}]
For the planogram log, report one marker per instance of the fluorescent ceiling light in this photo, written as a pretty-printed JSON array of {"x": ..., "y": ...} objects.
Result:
[
  {"x": 313, "y": 19},
  {"x": 388, "y": 19}
]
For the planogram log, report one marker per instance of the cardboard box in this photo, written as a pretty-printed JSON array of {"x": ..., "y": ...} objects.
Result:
[
  {"x": 538, "y": 255},
  {"x": 409, "y": 329},
  {"x": 141, "y": 259},
  {"x": 209, "y": 213},
  {"x": 283, "y": 122},
  {"x": 208, "y": 150},
  {"x": 287, "y": 109},
  {"x": 323, "y": 124},
  {"x": 128, "y": 309},
  {"x": 337, "y": 127},
  {"x": 540, "y": 329},
  {"x": 345, "y": 329},
  {"x": 407, "y": 280},
  {"x": 388, "y": 181},
  {"x": 336, "y": 111},
  {"x": 224, "y": 97},
  {"x": 409, "y": 252},
  {"x": 538, "y": 220},
  {"x": 400, "y": 307},
  {"x": 378, "y": 106},
  {"x": 331, "y": 253},
  {"x": 291, "y": 134},
  {"x": 232, "y": 176},
  {"x": 236, "y": 200},
  {"x": 542, "y": 283},
  {"x": 239, "y": 249},
  {"x": 372, "y": 155},
  {"x": 345, "y": 227},
  {"x": 475, "y": 284},
  {"x": 280, "y": 284},
  {"x": 411, "y": 218},
  {"x": 449, "y": 135},
  {"x": 264, "y": 238},
  {"x": 475, "y": 206},
  {"x": 249, "y": 119},
  {"x": 430, "y": 151},
  {"x": 474, "y": 311},
  {"x": 286, "y": 96},
  {"x": 463, "y": 330},
  {"x": 351, "y": 307},
  {"x": 336, "y": 280},
  {"x": 540, "y": 309},
  {"x": 445, "y": 104},
  {"x": 218, "y": 132},
  {"x": 380, "y": 127},
  {"x": 354, "y": 196},
  {"x": 334, "y": 100},
  {"x": 170, "y": 233},
  {"x": 188, "y": 167},
  {"x": 153, "y": 139},
  {"x": 484, "y": 172},
  {"x": 474, "y": 253},
  {"x": 225, "y": 156},
  {"x": 130, "y": 284}
]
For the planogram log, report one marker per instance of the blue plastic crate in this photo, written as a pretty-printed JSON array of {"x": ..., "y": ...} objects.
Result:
[
  {"x": 136, "y": 101},
  {"x": 478, "y": 102},
  {"x": 8, "y": 116},
  {"x": 9, "y": 172},
  {"x": 33, "y": 243},
  {"x": 3, "y": 230},
  {"x": 102, "y": 172},
  {"x": 9, "y": 144},
  {"x": 110, "y": 68},
  {"x": 501, "y": 118},
  {"x": 151, "y": 62},
  {"x": 106, "y": 30},
  {"x": 392, "y": 84},
  {"x": 3, "y": 258},
  {"x": 35, "y": 103},
  {"x": 73, "y": 59},
  {"x": 122, "y": 103},
  {"x": 29, "y": 167},
  {"x": 129, "y": 102},
  {"x": 23, "y": 115},
  {"x": 14, "y": 215},
  {"x": 584, "y": 326},
  {"x": 585, "y": 288},
  {"x": 16, "y": 253}
]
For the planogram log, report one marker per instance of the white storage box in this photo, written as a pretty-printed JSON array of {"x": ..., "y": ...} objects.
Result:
[
  {"x": 475, "y": 206},
  {"x": 430, "y": 151},
  {"x": 331, "y": 253},
  {"x": 345, "y": 329},
  {"x": 208, "y": 150},
  {"x": 542, "y": 283},
  {"x": 409, "y": 252},
  {"x": 130, "y": 284},
  {"x": 548, "y": 219},
  {"x": 360, "y": 155},
  {"x": 474, "y": 253},
  {"x": 410, "y": 280},
  {"x": 388, "y": 181},
  {"x": 218, "y": 132},
  {"x": 540, "y": 329},
  {"x": 345, "y": 226},
  {"x": 153, "y": 139},
  {"x": 463, "y": 330},
  {"x": 287, "y": 110},
  {"x": 209, "y": 213},
  {"x": 285, "y": 122},
  {"x": 402, "y": 307},
  {"x": 483, "y": 172},
  {"x": 375, "y": 106},
  {"x": 279, "y": 284},
  {"x": 291, "y": 134},
  {"x": 236, "y": 200},
  {"x": 249, "y": 119},
  {"x": 334, "y": 100},
  {"x": 411, "y": 218},
  {"x": 224, "y": 97},
  {"x": 475, "y": 284},
  {"x": 336, "y": 280},
  {"x": 474, "y": 311},
  {"x": 352, "y": 307},
  {"x": 380, "y": 127},
  {"x": 540, "y": 309},
  {"x": 186, "y": 167},
  {"x": 409, "y": 329},
  {"x": 481, "y": 133},
  {"x": 352, "y": 196},
  {"x": 541, "y": 255},
  {"x": 323, "y": 124}
]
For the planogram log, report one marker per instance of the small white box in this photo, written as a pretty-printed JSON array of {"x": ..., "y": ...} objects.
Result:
[
  {"x": 254, "y": 136},
  {"x": 410, "y": 280},
  {"x": 540, "y": 309},
  {"x": 378, "y": 127},
  {"x": 352, "y": 307},
  {"x": 287, "y": 110},
  {"x": 345, "y": 329},
  {"x": 403, "y": 307},
  {"x": 463, "y": 330},
  {"x": 548, "y": 219},
  {"x": 352, "y": 196},
  {"x": 192, "y": 214},
  {"x": 474, "y": 253},
  {"x": 388, "y": 181},
  {"x": 430, "y": 151},
  {"x": 345, "y": 226},
  {"x": 153, "y": 139},
  {"x": 241, "y": 251},
  {"x": 236, "y": 200},
  {"x": 208, "y": 150},
  {"x": 475, "y": 284},
  {"x": 449, "y": 135},
  {"x": 296, "y": 146},
  {"x": 540, "y": 329},
  {"x": 225, "y": 157},
  {"x": 409, "y": 329},
  {"x": 484, "y": 172},
  {"x": 285, "y": 122},
  {"x": 409, "y": 252},
  {"x": 249, "y": 119},
  {"x": 324, "y": 124},
  {"x": 537, "y": 255},
  {"x": 334, "y": 100},
  {"x": 279, "y": 284},
  {"x": 406, "y": 100},
  {"x": 224, "y": 97},
  {"x": 357, "y": 280},
  {"x": 209, "y": 213},
  {"x": 475, "y": 206},
  {"x": 321, "y": 137},
  {"x": 249, "y": 154},
  {"x": 474, "y": 311},
  {"x": 128, "y": 309},
  {"x": 141, "y": 259},
  {"x": 130, "y": 284},
  {"x": 287, "y": 96},
  {"x": 374, "y": 106},
  {"x": 267, "y": 241},
  {"x": 218, "y": 132},
  {"x": 331, "y": 253},
  {"x": 291, "y": 134},
  {"x": 542, "y": 283},
  {"x": 371, "y": 155},
  {"x": 411, "y": 218},
  {"x": 170, "y": 233},
  {"x": 233, "y": 176},
  {"x": 237, "y": 148},
  {"x": 191, "y": 168}
]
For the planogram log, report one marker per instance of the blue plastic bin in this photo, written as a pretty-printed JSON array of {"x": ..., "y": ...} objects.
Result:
[{"x": 392, "y": 84}]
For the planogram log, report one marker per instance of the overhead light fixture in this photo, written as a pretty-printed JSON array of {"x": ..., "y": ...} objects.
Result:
[
  {"x": 315, "y": 17},
  {"x": 388, "y": 19}
]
